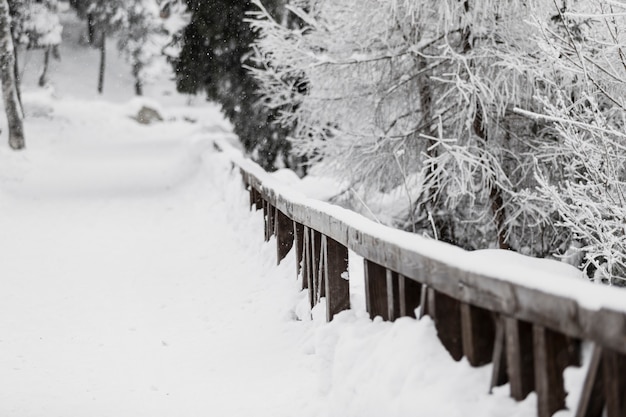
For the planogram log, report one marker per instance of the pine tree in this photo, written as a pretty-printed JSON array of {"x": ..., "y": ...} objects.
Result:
[{"x": 216, "y": 48}]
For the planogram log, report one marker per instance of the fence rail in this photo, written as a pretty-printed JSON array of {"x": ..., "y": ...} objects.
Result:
[{"x": 530, "y": 333}]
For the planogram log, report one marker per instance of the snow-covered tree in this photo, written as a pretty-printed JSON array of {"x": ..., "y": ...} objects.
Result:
[
  {"x": 9, "y": 83},
  {"x": 216, "y": 46},
  {"x": 583, "y": 159},
  {"x": 502, "y": 121},
  {"x": 39, "y": 27},
  {"x": 148, "y": 34},
  {"x": 107, "y": 16},
  {"x": 415, "y": 95}
]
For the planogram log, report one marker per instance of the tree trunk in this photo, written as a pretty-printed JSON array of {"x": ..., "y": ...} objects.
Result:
[
  {"x": 43, "y": 79},
  {"x": 16, "y": 71},
  {"x": 9, "y": 83},
  {"x": 137, "y": 66},
  {"x": 91, "y": 29},
  {"x": 102, "y": 62}
]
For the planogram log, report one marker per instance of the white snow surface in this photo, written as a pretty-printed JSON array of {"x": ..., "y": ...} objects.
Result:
[{"x": 136, "y": 282}]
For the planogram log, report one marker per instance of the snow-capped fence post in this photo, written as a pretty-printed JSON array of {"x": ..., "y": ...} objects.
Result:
[
  {"x": 284, "y": 235},
  {"x": 337, "y": 286}
]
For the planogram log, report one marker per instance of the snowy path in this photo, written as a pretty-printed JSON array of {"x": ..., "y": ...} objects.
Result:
[{"x": 129, "y": 289}]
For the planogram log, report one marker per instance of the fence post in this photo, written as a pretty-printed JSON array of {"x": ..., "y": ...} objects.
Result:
[
  {"x": 551, "y": 357},
  {"x": 592, "y": 400},
  {"x": 614, "y": 368},
  {"x": 410, "y": 295},
  {"x": 337, "y": 287},
  {"x": 393, "y": 295},
  {"x": 519, "y": 357},
  {"x": 284, "y": 235},
  {"x": 298, "y": 235},
  {"x": 446, "y": 313},
  {"x": 258, "y": 198},
  {"x": 478, "y": 334},
  {"x": 499, "y": 372},
  {"x": 307, "y": 276},
  {"x": 265, "y": 219},
  {"x": 316, "y": 248},
  {"x": 376, "y": 290}
]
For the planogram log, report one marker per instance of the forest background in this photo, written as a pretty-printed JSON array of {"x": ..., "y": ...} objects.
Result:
[{"x": 482, "y": 123}]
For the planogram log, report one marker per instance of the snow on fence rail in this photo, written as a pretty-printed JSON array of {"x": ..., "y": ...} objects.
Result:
[{"x": 528, "y": 323}]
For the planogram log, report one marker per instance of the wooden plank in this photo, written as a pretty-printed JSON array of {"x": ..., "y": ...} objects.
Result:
[
  {"x": 591, "y": 402},
  {"x": 478, "y": 334},
  {"x": 298, "y": 235},
  {"x": 284, "y": 235},
  {"x": 316, "y": 247},
  {"x": 614, "y": 370},
  {"x": 376, "y": 290},
  {"x": 337, "y": 287},
  {"x": 258, "y": 199},
  {"x": 271, "y": 221},
  {"x": 393, "y": 295},
  {"x": 498, "y": 373},
  {"x": 447, "y": 317},
  {"x": 410, "y": 296},
  {"x": 551, "y": 356},
  {"x": 423, "y": 301},
  {"x": 307, "y": 275},
  {"x": 266, "y": 219},
  {"x": 518, "y": 336}
]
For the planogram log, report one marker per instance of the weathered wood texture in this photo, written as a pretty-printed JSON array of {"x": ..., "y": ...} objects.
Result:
[
  {"x": 592, "y": 397},
  {"x": 478, "y": 331},
  {"x": 337, "y": 284},
  {"x": 298, "y": 235},
  {"x": 284, "y": 235},
  {"x": 614, "y": 369},
  {"x": 499, "y": 374},
  {"x": 410, "y": 295},
  {"x": 376, "y": 290},
  {"x": 551, "y": 356},
  {"x": 446, "y": 312},
  {"x": 518, "y": 337}
]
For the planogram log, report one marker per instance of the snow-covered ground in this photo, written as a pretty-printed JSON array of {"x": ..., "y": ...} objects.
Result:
[{"x": 136, "y": 282}]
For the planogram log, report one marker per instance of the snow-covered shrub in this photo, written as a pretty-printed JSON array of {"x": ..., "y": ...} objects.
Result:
[{"x": 583, "y": 165}]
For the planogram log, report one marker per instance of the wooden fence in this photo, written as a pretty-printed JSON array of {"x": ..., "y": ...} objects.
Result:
[{"x": 531, "y": 335}]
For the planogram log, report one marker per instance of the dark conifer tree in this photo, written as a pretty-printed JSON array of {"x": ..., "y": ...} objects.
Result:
[{"x": 216, "y": 49}]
